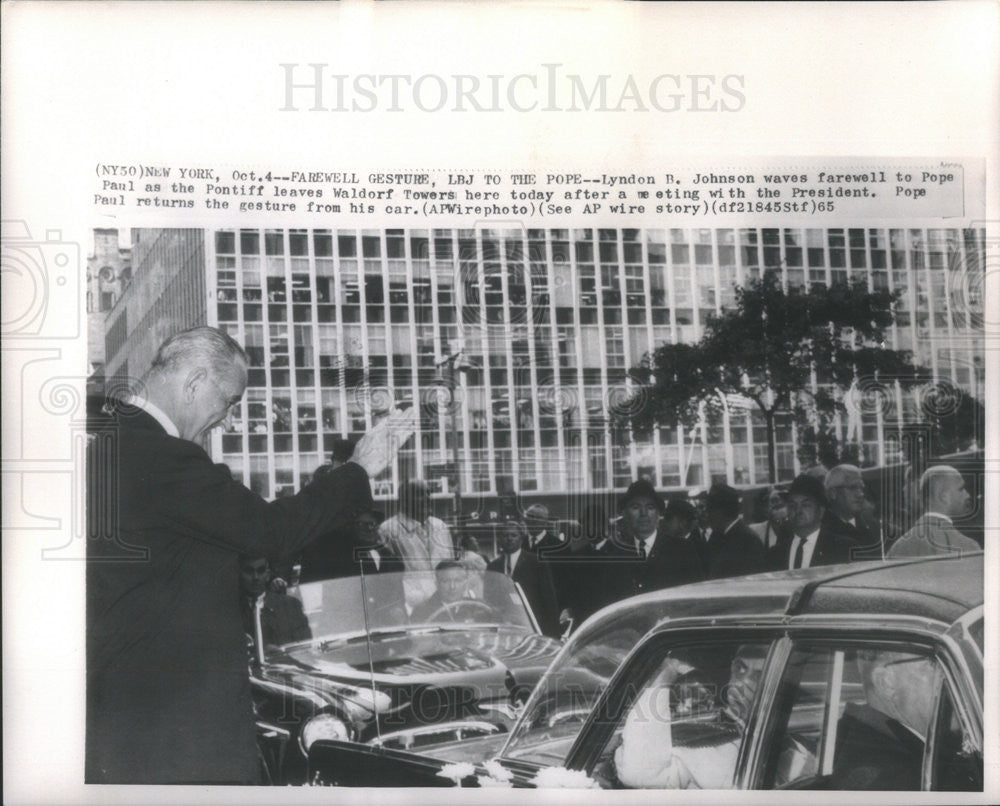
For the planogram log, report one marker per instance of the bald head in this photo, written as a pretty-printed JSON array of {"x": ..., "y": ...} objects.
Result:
[
  {"x": 942, "y": 490},
  {"x": 196, "y": 377}
]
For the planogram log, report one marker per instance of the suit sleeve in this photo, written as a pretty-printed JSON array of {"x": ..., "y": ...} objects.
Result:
[{"x": 203, "y": 498}]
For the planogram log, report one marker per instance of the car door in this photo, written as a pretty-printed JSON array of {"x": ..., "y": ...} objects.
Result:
[
  {"x": 682, "y": 711},
  {"x": 889, "y": 712}
]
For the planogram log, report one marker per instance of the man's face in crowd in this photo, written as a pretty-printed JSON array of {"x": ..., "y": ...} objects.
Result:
[
  {"x": 848, "y": 496},
  {"x": 777, "y": 508},
  {"x": 452, "y": 584},
  {"x": 537, "y": 518},
  {"x": 956, "y": 498},
  {"x": 744, "y": 678},
  {"x": 806, "y": 513},
  {"x": 511, "y": 537},
  {"x": 366, "y": 530},
  {"x": 677, "y": 526},
  {"x": 419, "y": 503},
  {"x": 641, "y": 516},
  {"x": 254, "y": 576}
]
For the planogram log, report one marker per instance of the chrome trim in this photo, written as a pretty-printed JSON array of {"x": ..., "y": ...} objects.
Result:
[
  {"x": 272, "y": 730},
  {"x": 283, "y": 688},
  {"x": 962, "y": 623},
  {"x": 443, "y": 727},
  {"x": 748, "y": 759}
]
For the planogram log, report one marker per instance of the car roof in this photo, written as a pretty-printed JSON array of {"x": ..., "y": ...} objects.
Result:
[{"x": 939, "y": 588}]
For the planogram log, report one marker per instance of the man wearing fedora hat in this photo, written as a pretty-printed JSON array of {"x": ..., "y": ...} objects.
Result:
[
  {"x": 811, "y": 543},
  {"x": 644, "y": 557}
]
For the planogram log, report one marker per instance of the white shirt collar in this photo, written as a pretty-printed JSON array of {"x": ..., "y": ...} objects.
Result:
[
  {"x": 648, "y": 541},
  {"x": 807, "y": 550},
  {"x": 932, "y": 514},
  {"x": 157, "y": 414},
  {"x": 512, "y": 560}
]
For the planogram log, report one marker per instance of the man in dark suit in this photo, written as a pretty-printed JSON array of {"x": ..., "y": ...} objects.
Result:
[
  {"x": 734, "y": 548},
  {"x": 845, "y": 515},
  {"x": 366, "y": 552},
  {"x": 811, "y": 543},
  {"x": 680, "y": 523},
  {"x": 524, "y": 568},
  {"x": 282, "y": 620},
  {"x": 880, "y": 744},
  {"x": 168, "y": 695},
  {"x": 646, "y": 558}
]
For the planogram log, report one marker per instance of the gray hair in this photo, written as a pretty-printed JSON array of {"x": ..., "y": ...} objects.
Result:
[
  {"x": 836, "y": 476},
  {"x": 933, "y": 480},
  {"x": 200, "y": 346}
]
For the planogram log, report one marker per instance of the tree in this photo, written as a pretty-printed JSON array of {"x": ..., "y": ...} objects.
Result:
[{"x": 769, "y": 348}]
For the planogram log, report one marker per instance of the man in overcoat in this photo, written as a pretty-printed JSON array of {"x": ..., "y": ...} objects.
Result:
[{"x": 168, "y": 693}]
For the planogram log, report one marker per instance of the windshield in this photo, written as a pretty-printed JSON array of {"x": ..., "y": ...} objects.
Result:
[
  {"x": 335, "y": 608},
  {"x": 566, "y": 695}
]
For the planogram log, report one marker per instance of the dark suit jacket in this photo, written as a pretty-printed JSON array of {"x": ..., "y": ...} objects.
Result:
[
  {"x": 863, "y": 539},
  {"x": 350, "y": 561},
  {"x": 875, "y": 752},
  {"x": 535, "y": 580},
  {"x": 281, "y": 619},
  {"x": 669, "y": 563},
  {"x": 832, "y": 547},
  {"x": 168, "y": 694},
  {"x": 736, "y": 552}
]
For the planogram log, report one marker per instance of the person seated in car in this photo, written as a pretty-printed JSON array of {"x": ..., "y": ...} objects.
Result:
[
  {"x": 451, "y": 601},
  {"x": 880, "y": 744},
  {"x": 701, "y": 754},
  {"x": 282, "y": 620}
]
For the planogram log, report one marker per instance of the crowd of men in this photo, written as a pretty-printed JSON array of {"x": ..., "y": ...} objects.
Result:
[
  {"x": 181, "y": 549},
  {"x": 647, "y": 544}
]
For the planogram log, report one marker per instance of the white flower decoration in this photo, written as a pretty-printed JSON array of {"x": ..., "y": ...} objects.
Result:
[
  {"x": 457, "y": 772},
  {"x": 561, "y": 778}
]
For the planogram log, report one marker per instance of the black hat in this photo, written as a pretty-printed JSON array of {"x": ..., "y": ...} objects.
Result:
[
  {"x": 641, "y": 489},
  {"x": 809, "y": 486},
  {"x": 680, "y": 508},
  {"x": 723, "y": 499}
]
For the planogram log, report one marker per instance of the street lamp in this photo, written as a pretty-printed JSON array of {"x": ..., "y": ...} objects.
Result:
[{"x": 449, "y": 367}]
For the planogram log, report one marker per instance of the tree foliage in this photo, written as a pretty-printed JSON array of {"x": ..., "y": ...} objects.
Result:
[{"x": 769, "y": 348}]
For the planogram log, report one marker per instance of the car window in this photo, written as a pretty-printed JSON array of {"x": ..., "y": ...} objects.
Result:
[
  {"x": 565, "y": 697},
  {"x": 858, "y": 718},
  {"x": 685, "y": 725}
]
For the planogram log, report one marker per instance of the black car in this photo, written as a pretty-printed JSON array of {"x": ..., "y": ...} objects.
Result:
[
  {"x": 344, "y": 659},
  {"x": 863, "y": 676}
]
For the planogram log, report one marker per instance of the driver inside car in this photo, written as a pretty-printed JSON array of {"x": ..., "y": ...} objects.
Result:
[
  {"x": 451, "y": 601},
  {"x": 698, "y": 753}
]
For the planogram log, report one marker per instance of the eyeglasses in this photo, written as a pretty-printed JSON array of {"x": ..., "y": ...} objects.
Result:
[{"x": 858, "y": 486}]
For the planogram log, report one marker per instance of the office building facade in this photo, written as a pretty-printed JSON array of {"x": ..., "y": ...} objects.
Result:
[{"x": 516, "y": 342}]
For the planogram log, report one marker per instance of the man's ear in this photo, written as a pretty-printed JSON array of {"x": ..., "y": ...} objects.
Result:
[{"x": 193, "y": 381}]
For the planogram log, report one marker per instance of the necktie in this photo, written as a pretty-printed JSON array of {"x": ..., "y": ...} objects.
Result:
[
  {"x": 506, "y": 564},
  {"x": 642, "y": 550},
  {"x": 797, "y": 558}
]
